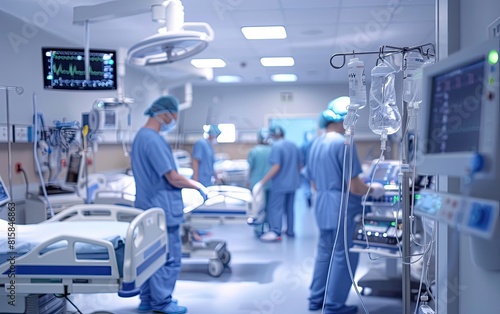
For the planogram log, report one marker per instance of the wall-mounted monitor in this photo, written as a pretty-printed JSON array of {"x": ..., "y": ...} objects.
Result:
[
  {"x": 461, "y": 114},
  {"x": 64, "y": 69}
]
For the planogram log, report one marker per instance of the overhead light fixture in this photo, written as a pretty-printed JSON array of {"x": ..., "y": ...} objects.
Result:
[
  {"x": 284, "y": 77},
  {"x": 173, "y": 43},
  {"x": 277, "y": 62},
  {"x": 208, "y": 63},
  {"x": 264, "y": 32},
  {"x": 228, "y": 79}
]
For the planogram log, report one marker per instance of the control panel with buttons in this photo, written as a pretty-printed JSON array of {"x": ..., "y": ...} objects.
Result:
[{"x": 473, "y": 216}]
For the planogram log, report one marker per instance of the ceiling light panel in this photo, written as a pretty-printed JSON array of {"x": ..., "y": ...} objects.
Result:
[
  {"x": 277, "y": 61},
  {"x": 228, "y": 79},
  {"x": 264, "y": 32},
  {"x": 284, "y": 77},
  {"x": 208, "y": 63}
]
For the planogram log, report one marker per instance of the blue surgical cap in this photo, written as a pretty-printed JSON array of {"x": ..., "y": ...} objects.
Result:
[
  {"x": 329, "y": 116},
  {"x": 213, "y": 130},
  {"x": 277, "y": 131},
  {"x": 163, "y": 104}
]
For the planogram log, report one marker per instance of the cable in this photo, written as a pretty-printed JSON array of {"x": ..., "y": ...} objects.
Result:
[
  {"x": 346, "y": 247},
  {"x": 66, "y": 297},
  {"x": 37, "y": 162},
  {"x": 25, "y": 179}
]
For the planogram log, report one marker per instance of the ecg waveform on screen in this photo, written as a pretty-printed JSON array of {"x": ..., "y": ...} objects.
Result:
[
  {"x": 64, "y": 68},
  {"x": 78, "y": 58},
  {"x": 72, "y": 70}
]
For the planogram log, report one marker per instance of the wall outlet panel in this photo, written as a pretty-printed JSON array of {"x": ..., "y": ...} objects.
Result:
[
  {"x": 22, "y": 133},
  {"x": 3, "y": 134}
]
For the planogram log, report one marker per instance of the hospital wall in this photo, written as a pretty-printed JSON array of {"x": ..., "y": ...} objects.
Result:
[{"x": 21, "y": 65}]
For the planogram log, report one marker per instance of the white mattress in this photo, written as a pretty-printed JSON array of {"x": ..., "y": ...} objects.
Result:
[{"x": 29, "y": 236}]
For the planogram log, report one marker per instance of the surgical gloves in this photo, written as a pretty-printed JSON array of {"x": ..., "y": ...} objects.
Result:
[{"x": 377, "y": 190}]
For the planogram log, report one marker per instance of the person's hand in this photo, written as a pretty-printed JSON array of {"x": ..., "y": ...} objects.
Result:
[
  {"x": 377, "y": 190},
  {"x": 202, "y": 190}
]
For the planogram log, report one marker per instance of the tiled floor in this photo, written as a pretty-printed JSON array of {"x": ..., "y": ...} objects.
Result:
[{"x": 263, "y": 278}]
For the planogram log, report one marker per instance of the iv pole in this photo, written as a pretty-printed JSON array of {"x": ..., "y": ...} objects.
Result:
[
  {"x": 405, "y": 194},
  {"x": 19, "y": 90}
]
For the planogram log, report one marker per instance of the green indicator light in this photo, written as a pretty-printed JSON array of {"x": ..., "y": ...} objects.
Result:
[
  {"x": 493, "y": 57},
  {"x": 417, "y": 196},
  {"x": 393, "y": 224}
]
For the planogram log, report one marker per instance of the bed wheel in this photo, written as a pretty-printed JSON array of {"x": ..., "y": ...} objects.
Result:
[
  {"x": 225, "y": 258},
  {"x": 215, "y": 267}
]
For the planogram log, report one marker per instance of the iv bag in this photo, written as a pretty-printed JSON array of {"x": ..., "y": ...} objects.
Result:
[{"x": 384, "y": 113}]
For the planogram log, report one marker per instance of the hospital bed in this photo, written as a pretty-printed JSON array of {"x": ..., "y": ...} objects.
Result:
[
  {"x": 83, "y": 249},
  {"x": 226, "y": 203}
]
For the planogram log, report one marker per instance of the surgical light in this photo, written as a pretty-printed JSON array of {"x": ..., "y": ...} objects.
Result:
[
  {"x": 264, "y": 32},
  {"x": 277, "y": 61}
]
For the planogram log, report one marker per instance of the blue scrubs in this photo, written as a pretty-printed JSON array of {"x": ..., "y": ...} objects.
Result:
[
  {"x": 204, "y": 153},
  {"x": 151, "y": 159},
  {"x": 324, "y": 167},
  {"x": 283, "y": 185}
]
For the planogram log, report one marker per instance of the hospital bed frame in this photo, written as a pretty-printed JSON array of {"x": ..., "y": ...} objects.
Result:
[
  {"x": 218, "y": 207},
  {"x": 58, "y": 271}
]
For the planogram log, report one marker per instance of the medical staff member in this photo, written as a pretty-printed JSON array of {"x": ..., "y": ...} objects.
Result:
[
  {"x": 259, "y": 166},
  {"x": 284, "y": 174},
  {"x": 204, "y": 156},
  {"x": 325, "y": 169},
  {"x": 158, "y": 184}
]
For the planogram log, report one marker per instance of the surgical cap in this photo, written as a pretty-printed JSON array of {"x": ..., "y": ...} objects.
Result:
[
  {"x": 276, "y": 131},
  {"x": 339, "y": 105},
  {"x": 163, "y": 104},
  {"x": 329, "y": 116},
  {"x": 213, "y": 130},
  {"x": 263, "y": 136}
]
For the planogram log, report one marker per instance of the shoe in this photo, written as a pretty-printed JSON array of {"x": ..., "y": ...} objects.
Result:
[
  {"x": 288, "y": 234},
  {"x": 172, "y": 308},
  {"x": 270, "y": 236},
  {"x": 146, "y": 307},
  {"x": 315, "y": 306},
  {"x": 343, "y": 309}
]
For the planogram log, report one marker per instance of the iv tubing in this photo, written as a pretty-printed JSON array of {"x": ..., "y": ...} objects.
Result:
[{"x": 42, "y": 182}]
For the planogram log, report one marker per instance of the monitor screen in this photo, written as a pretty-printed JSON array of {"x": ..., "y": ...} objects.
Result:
[
  {"x": 455, "y": 109},
  {"x": 4, "y": 195},
  {"x": 74, "y": 166},
  {"x": 65, "y": 69}
]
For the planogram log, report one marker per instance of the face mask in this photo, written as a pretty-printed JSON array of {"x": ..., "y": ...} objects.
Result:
[{"x": 166, "y": 127}]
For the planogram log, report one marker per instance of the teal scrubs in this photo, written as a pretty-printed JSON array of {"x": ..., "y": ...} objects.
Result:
[{"x": 258, "y": 159}]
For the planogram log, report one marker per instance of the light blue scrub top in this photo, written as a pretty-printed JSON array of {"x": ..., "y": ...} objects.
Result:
[
  {"x": 258, "y": 159},
  {"x": 151, "y": 159},
  {"x": 288, "y": 156},
  {"x": 204, "y": 153},
  {"x": 324, "y": 167}
]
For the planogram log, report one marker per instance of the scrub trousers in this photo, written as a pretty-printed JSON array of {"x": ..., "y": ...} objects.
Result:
[
  {"x": 339, "y": 283},
  {"x": 157, "y": 290},
  {"x": 280, "y": 202}
]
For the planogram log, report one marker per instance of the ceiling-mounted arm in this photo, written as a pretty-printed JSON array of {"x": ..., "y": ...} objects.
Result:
[{"x": 112, "y": 10}]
